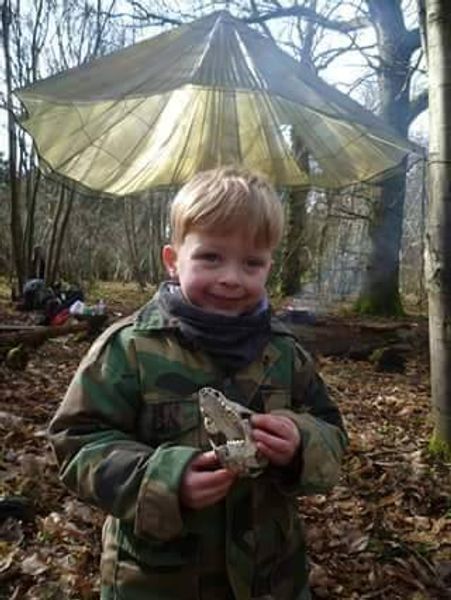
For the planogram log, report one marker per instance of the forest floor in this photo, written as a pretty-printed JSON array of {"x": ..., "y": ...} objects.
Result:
[{"x": 383, "y": 533}]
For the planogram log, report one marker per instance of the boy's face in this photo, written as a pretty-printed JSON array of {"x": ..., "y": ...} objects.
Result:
[{"x": 220, "y": 273}]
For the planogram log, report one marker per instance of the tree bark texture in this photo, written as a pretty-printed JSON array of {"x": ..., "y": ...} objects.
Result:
[
  {"x": 15, "y": 218},
  {"x": 61, "y": 233},
  {"x": 34, "y": 179},
  {"x": 438, "y": 243},
  {"x": 130, "y": 231},
  {"x": 380, "y": 292},
  {"x": 292, "y": 267},
  {"x": 322, "y": 239}
]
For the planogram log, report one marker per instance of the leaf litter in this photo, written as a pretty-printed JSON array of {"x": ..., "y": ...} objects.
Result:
[{"x": 383, "y": 533}]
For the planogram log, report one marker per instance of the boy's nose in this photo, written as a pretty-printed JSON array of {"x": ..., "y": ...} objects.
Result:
[{"x": 231, "y": 275}]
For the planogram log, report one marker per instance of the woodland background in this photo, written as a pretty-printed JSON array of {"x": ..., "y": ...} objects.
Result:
[
  {"x": 366, "y": 241},
  {"x": 385, "y": 532}
]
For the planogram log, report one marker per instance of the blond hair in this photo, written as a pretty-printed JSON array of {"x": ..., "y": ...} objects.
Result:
[{"x": 227, "y": 199}]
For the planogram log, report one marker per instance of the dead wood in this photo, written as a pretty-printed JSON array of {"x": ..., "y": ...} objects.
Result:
[
  {"x": 357, "y": 340},
  {"x": 33, "y": 336}
]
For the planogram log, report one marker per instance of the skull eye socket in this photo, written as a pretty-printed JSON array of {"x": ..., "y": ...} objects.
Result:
[{"x": 219, "y": 439}]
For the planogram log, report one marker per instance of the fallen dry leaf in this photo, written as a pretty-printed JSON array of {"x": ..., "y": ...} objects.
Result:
[{"x": 383, "y": 533}]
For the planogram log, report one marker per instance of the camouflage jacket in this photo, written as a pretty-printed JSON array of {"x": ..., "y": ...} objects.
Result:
[{"x": 126, "y": 430}]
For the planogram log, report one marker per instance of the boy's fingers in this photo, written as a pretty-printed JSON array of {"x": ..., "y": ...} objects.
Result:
[
  {"x": 206, "y": 460},
  {"x": 204, "y": 487},
  {"x": 273, "y": 456},
  {"x": 219, "y": 488},
  {"x": 209, "y": 499},
  {"x": 278, "y": 444},
  {"x": 214, "y": 479},
  {"x": 278, "y": 425},
  {"x": 210, "y": 490}
]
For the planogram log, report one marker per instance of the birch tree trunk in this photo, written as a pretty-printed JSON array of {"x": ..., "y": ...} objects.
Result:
[{"x": 438, "y": 242}]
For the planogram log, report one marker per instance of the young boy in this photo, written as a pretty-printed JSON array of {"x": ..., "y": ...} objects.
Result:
[{"x": 129, "y": 436}]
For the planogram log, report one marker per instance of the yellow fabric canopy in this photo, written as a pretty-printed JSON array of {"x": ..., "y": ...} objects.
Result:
[{"x": 207, "y": 93}]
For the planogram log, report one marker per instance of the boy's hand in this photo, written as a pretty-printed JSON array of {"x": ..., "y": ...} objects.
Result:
[
  {"x": 277, "y": 437},
  {"x": 205, "y": 482}
]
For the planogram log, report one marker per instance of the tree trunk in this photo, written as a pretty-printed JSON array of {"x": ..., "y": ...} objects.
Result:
[
  {"x": 130, "y": 231},
  {"x": 422, "y": 292},
  {"x": 67, "y": 209},
  {"x": 380, "y": 291},
  {"x": 15, "y": 219},
  {"x": 53, "y": 237},
  {"x": 322, "y": 240},
  {"x": 292, "y": 267},
  {"x": 34, "y": 179},
  {"x": 438, "y": 237}
]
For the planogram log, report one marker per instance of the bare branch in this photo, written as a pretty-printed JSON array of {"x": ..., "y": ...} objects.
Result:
[
  {"x": 264, "y": 26},
  {"x": 308, "y": 13},
  {"x": 151, "y": 16},
  {"x": 417, "y": 105},
  {"x": 412, "y": 41}
]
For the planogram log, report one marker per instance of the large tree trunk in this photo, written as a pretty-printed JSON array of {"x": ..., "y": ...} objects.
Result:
[
  {"x": 439, "y": 237},
  {"x": 380, "y": 292}
]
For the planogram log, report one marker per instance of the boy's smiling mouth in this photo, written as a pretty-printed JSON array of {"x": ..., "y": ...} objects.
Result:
[{"x": 225, "y": 299}]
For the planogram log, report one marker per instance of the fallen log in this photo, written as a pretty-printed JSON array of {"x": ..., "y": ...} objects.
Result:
[
  {"x": 357, "y": 340},
  {"x": 36, "y": 335},
  {"x": 15, "y": 340},
  {"x": 6, "y": 328}
]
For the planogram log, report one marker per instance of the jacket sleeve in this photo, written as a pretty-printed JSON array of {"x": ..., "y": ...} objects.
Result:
[
  {"x": 99, "y": 457},
  {"x": 316, "y": 467}
]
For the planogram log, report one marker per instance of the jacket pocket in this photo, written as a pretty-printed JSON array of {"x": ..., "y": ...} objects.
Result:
[
  {"x": 154, "y": 569},
  {"x": 175, "y": 420},
  {"x": 156, "y": 553}
]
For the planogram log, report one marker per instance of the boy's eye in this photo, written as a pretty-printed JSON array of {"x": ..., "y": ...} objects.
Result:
[
  {"x": 255, "y": 262},
  {"x": 208, "y": 256}
]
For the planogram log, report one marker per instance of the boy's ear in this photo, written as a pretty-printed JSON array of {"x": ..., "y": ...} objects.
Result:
[
  {"x": 169, "y": 257},
  {"x": 270, "y": 267}
]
